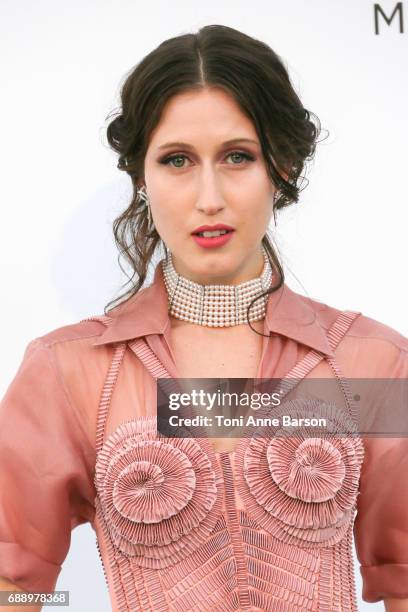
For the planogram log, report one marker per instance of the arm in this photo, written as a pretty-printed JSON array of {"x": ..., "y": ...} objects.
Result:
[
  {"x": 396, "y": 605},
  {"x": 6, "y": 585},
  {"x": 46, "y": 486},
  {"x": 381, "y": 526}
]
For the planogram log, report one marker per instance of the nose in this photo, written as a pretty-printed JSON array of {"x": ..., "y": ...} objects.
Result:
[{"x": 209, "y": 198}]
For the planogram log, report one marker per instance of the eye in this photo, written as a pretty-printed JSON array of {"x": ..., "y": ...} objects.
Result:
[
  {"x": 177, "y": 158},
  {"x": 239, "y": 156}
]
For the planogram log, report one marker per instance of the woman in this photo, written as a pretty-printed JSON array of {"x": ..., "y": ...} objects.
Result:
[{"x": 214, "y": 139}]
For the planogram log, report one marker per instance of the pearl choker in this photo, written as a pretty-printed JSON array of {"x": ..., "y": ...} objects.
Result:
[{"x": 215, "y": 305}]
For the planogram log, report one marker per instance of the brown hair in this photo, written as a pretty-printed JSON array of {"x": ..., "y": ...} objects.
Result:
[{"x": 255, "y": 76}]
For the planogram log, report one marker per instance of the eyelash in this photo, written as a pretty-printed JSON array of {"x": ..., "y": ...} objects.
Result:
[{"x": 166, "y": 161}]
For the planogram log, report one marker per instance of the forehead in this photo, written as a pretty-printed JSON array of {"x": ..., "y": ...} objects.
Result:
[{"x": 205, "y": 113}]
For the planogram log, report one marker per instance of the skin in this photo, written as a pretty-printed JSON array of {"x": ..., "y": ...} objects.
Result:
[
  {"x": 6, "y": 585},
  {"x": 396, "y": 605},
  {"x": 208, "y": 183}
]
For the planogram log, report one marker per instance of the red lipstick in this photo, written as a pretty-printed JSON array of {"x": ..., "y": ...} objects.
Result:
[{"x": 208, "y": 241}]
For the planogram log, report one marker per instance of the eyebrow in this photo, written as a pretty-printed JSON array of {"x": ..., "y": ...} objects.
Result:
[{"x": 186, "y": 145}]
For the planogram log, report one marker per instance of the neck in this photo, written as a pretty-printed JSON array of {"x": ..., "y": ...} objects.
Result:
[{"x": 216, "y": 305}]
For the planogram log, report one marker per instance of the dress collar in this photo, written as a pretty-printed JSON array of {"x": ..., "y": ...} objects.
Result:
[{"x": 287, "y": 313}]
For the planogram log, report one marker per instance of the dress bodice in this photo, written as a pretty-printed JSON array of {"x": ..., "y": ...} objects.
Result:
[{"x": 266, "y": 527}]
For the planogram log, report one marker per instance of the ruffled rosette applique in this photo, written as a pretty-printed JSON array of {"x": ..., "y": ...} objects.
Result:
[
  {"x": 160, "y": 497},
  {"x": 302, "y": 489}
]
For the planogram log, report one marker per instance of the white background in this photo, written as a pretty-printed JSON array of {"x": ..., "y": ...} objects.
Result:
[{"x": 61, "y": 68}]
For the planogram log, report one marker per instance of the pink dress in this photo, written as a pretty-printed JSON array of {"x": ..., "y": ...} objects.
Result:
[{"x": 178, "y": 525}]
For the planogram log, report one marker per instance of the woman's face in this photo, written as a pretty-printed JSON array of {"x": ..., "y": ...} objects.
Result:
[{"x": 194, "y": 176}]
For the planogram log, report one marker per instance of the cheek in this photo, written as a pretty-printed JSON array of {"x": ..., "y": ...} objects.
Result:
[
  {"x": 168, "y": 214},
  {"x": 155, "y": 179},
  {"x": 156, "y": 188},
  {"x": 164, "y": 196},
  {"x": 256, "y": 199},
  {"x": 255, "y": 184}
]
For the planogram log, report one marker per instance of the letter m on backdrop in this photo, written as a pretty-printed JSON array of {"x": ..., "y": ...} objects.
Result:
[{"x": 379, "y": 11}]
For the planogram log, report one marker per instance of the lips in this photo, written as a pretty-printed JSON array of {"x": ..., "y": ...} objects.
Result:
[
  {"x": 212, "y": 228},
  {"x": 204, "y": 232},
  {"x": 211, "y": 242}
]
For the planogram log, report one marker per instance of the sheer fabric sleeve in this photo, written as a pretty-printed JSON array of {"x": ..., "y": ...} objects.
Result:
[
  {"x": 46, "y": 480},
  {"x": 381, "y": 526}
]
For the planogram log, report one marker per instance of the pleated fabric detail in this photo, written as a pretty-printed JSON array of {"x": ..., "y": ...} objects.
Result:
[{"x": 175, "y": 539}]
